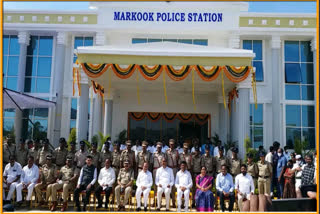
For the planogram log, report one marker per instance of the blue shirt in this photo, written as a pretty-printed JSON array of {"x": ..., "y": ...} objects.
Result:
[
  {"x": 282, "y": 162},
  {"x": 224, "y": 183},
  {"x": 287, "y": 155}
]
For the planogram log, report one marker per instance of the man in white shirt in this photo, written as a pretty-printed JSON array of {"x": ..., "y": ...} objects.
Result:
[
  {"x": 28, "y": 180},
  {"x": 269, "y": 155},
  {"x": 183, "y": 184},
  {"x": 11, "y": 177},
  {"x": 244, "y": 186},
  {"x": 86, "y": 181},
  {"x": 106, "y": 179},
  {"x": 144, "y": 183},
  {"x": 164, "y": 182}
]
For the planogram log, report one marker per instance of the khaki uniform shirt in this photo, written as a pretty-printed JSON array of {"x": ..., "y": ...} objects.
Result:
[
  {"x": 144, "y": 157},
  {"x": 173, "y": 158},
  {"x": 95, "y": 158},
  {"x": 196, "y": 163},
  {"x": 48, "y": 174},
  {"x": 253, "y": 170},
  {"x": 157, "y": 159},
  {"x": 104, "y": 156},
  {"x": 126, "y": 155},
  {"x": 209, "y": 162},
  {"x": 125, "y": 177},
  {"x": 187, "y": 158},
  {"x": 265, "y": 170},
  {"x": 60, "y": 156},
  {"x": 33, "y": 152},
  {"x": 67, "y": 173},
  {"x": 7, "y": 151},
  {"x": 235, "y": 166},
  {"x": 42, "y": 156},
  {"x": 22, "y": 156},
  {"x": 72, "y": 154},
  {"x": 222, "y": 161},
  {"x": 116, "y": 159},
  {"x": 80, "y": 158}
]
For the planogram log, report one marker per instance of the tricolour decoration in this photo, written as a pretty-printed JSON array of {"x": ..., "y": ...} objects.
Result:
[{"x": 233, "y": 94}]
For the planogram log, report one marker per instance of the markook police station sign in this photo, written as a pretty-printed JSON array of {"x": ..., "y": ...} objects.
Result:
[{"x": 167, "y": 16}]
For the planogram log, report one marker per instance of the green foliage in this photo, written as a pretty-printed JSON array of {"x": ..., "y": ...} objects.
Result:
[
  {"x": 300, "y": 146},
  {"x": 230, "y": 144},
  {"x": 216, "y": 139},
  {"x": 247, "y": 146},
  {"x": 102, "y": 139},
  {"x": 122, "y": 136},
  {"x": 72, "y": 138},
  {"x": 38, "y": 131},
  {"x": 254, "y": 152}
]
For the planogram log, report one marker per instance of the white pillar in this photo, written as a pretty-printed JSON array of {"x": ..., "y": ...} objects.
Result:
[
  {"x": 224, "y": 121},
  {"x": 108, "y": 108},
  {"x": 62, "y": 39},
  {"x": 315, "y": 78},
  {"x": 276, "y": 122},
  {"x": 23, "y": 39},
  {"x": 82, "y": 112}
]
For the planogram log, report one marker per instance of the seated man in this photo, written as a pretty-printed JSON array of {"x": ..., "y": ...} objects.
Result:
[
  {"x": 224, "y": 186},
  {"x": 28, "y": 180},
  {"x": 106, "y": 179},
  {"x": 183, "y": 184},
  {"x": 125, "y": 181},
  {"x": 164, "y": 182},
  {"x": 144, "y": 183},
  {"x": 11, "y": 176},
  {"x": 86, "y": 181},
  {"x": 244, "y": 185},
  {"x": 66, "y": 181}
]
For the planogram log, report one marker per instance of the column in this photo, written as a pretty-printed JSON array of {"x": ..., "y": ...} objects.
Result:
[
  {"x": 276, "y": 122},
  {"x": 108, "y": 107},
  {"x": 82, "y": 113},
  {"x": 243, "y": 123},
  {"x": 23, "y": 39},
  {"x": 224, "y": 121},
  {"x": 62, "y": 38},
  {"x": 315, "y": 79}
]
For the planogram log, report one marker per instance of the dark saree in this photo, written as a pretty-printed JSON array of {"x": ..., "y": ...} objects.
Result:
[
  {"x": 204, "y": 200},
  {"x": 289, "y": 185}
]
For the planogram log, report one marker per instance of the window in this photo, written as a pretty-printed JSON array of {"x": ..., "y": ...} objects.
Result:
[
  {"x": 186, "y": 41},
  {"x": 81, "y": 41},
  {"x": 73, "y": 114},
  {"x": 299, "y": 82},
  {"x": 38, "y": 65},
  {"x": 256, "y": 125},
  {"x": 300, "y": 125},
  {"x": 8, "y": 121},
  {"x": 257, "y": 62},
  {"x": 39, "y": 128},
  {"x": 11, "y": 51}
]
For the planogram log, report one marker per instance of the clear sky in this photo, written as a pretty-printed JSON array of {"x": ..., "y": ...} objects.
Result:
[{"x": 268, "y": 7}]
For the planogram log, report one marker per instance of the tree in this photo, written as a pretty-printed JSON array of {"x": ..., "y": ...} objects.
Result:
[
  {"x": 72, "y": 138},
  {"x": 102, "y": 139}
]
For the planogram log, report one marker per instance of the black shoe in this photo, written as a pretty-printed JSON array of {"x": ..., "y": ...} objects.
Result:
[
  {"x": 158, "y": 209},
  {"x": 145, "y": 209},
  {"x": 138, "y": 209},
  {"x": 84, "y": 208},
  {"x": 78, "y": 209},
  {"x": 106, "y": 205}
]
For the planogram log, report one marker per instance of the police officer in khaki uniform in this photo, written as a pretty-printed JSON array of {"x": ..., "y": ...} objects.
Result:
[
  {"x": 125, "y": 181},
  {"x": 196, "y": 169},
  {"x": 265, "y": 175},
  {"x": 60, "y": 153},
  {"x": 221, "y": 160},
  {"x": 173, "y": 162},
  {"x": 186, "y": 156},
  {"x": 116, "y": 158},
  {"x": 47, "y": 176},
  {"x": 34, "y": 151},
  {"x": 158, "y": 156},
  {"x": 95, "y": 155},
  {"x": 9, "y": 148},
  {"x": 72, "y": 151},
  {"x": 128, "y": 154},
  {"x": 66, "y": 180},
  {"x": 143, "y": 156},
  {"x": 44, "y": 152},
  {"x": 252, "y": 168},
  {"x": 21, "y": 154},
  {"x": 105, "y": 154},
  {"x": 209, "y": 162},
  {"x": 235, "y": 163},
  {"x": 81, "y": 156}
]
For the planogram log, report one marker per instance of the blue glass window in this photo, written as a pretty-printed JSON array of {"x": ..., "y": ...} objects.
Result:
[
  {"x": 292, "y": 92},
  {"x": 203, "y": 42},
  {"x": 293, "y": 73},
  {"x": 256, "y": 125},
  {"x": 154, "y": 40},
  {"x": 293, "y": 115},
  {"x": 305, "y": 52},
  {"x": 73, "y": 114},
  {"x": 307, "y": 92},
  {"x": 81, "y": 41},
  {"x": 45, "y": 46},
  {"x": 44, "y": 66},
  {"x": 11, "y": 52},
  {"x": 13, "y": 66},
  {"x": 186, "y": 41},
  {"x": 259, "y": 70},
  {"x": 307, "y": 73},
  {"x": 257, "y": 47},
  {"x": 291, "y": 51},
  {"x": 39, "y": 128},
  {"x": 6, "y": 41}
]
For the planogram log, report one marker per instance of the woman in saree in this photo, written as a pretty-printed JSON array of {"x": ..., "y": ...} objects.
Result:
[
  {"x": 289, "y": 181},
  {"x": 204, "y": 196}
]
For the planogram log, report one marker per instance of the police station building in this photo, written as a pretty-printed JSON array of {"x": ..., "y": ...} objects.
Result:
[{"x": 162, "y": 70}]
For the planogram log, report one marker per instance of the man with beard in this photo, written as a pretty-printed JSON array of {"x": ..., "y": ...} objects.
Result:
[
  {"x": 11, "y": 176},
  {"x": 244, "y": 186},
  {"x": 308, "y": 177}
]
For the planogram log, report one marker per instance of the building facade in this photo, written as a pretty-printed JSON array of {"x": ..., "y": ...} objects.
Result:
[{"x": 39, "y": 54}]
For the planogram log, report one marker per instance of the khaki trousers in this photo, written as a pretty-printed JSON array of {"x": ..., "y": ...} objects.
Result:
[
  {"x": 65, "y": 194},
  {"x": 39, "y": 187},
  {"x": 127, "y": 194},
  {"x": 264, "y": 185}
]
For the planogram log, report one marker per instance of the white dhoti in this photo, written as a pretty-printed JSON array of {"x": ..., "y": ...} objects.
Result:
[
  {"x": 19, "y": 191},
  {"x": 145, "y": 196},
  {"x": 166, "y": 192}
]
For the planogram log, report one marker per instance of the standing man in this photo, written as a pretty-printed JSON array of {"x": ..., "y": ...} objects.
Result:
[
  {"x": 28, "y": 180},
  {"x": 308, "y": 177},
  {"x": 142, "y": 157},
  {"x": 35, "y": 150},
  {"x": 183, "y": 184},
  {"x": 265, "y": 175},
  {"x": 72, "y": 151},
  {"x": 252, "y": 168},
  {"x": 244, "y": 186},
  {"x": 86, "y": 181},
  {"x": 144, "y": 183},
  {"x": 106, "y": 179},
  {"x": 281, "y": 164},
  {"x": 222, "y": 160},
  {"x": 186, "y": 156},
  {"x": 297, "y": 169},
  {"x": 48, "y": 177},
  {"x": 9, "y": 148},
  {"x": 209, "y": 162},
  {"x": 274, "y": 163},
  {"x": 66, "y": 181},
  {"x": 11, "y": 176},
  {"x": 173, "y": 161},
  {"x": 42, "y": 155},
  {"x": 21, "y": 154},
  {"x": 196, "y": 169},
  {"x": 224, "y": 186},
  {"x": 95, "y": 155},
  {"x": 158, "y": 157},
  {"x": 286, "y": 153},
  {"x": 128, "y": 154},
  {"x": 235, "y": 163},
  {"x": 60, "y": 153},
  {"x": 164, "y": 182},
  {"x": 116, "y": 158},
  {"x": 269, "y": 156},
  {"x": 105, "y": 154},
  {"x": 81, "y": 156},
  {"x": 125, "y": 181}
]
